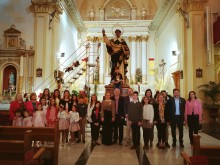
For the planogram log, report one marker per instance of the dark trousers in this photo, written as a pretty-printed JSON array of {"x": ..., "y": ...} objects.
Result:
[
  {"x": 147, "y": 135},
  {"x": 118, "y": 129},
  {"x": 177, "y": 121},
  {"x": 95, "y": 132},
  {"x": 161, "y": 131},
  {"x": 193, "y": 124},
  {"x": 135, "y": 134}
]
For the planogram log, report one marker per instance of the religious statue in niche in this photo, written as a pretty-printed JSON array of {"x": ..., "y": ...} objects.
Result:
[
  {"x": 118, "y": 50},
  {"x": 11, "y": 79},
  {"x": 143, "y": 13},
  {"x": 91, "y": 14},
  {"x": 22, "y": 43}
]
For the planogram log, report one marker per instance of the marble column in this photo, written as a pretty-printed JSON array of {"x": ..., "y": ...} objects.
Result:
[
  {"x": 21, "y": 74},
  {"x": 195, "y": 47},
  {"x": 102, "y": 63},
  {"x": 44, "y": 44},
  {"x": 91, "y": 61},
  {"x": 144, "y": 58},
  {"x": 139, "y": 52},
  {"x": 30, "y": 69},
  {"x": 132, "y": 39}
]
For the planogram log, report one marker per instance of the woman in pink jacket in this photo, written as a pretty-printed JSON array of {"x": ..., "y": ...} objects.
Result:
[{"x": 193, "y": 114}]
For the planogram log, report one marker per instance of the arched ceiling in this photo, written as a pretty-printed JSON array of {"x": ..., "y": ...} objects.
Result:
[{"x": 84, "y": 6}]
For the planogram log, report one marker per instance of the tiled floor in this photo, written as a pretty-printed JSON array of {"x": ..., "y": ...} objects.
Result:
[{"x": 122, "y": 155}]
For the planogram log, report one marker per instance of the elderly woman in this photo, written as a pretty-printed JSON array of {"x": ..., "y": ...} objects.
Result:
[
  {"x": 31, "y": 105},
  {"x": 15, "y": 105}
]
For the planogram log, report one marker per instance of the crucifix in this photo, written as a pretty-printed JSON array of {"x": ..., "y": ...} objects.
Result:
[{"x": 162, "y": 68}]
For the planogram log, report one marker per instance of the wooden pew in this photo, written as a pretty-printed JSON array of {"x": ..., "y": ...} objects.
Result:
[
  {"x": 210, "y": 153},
  {"x": 38, "y": 134},
  {"x": 16, "y": 152}
]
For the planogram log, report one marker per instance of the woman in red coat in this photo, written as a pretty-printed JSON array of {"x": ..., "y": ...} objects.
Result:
[
  {"x": 15, "y": 105},
  {"x": 31, "y": 105}
]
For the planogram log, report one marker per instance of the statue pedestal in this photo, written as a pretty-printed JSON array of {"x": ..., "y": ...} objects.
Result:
[{"x": 124, "y": 89}]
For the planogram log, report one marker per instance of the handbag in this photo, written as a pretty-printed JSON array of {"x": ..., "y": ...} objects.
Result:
[{"x": 146, "y": 124}]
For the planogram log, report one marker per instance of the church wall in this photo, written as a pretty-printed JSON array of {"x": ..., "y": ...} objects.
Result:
[
  {"x": 170, "y": 40},
  {"x": 18, "y": 13}
]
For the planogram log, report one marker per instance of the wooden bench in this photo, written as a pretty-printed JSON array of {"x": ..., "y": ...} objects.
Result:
[
  {"x": 37, "y": 134},
  {"x": 210, "y": 153},
  {"x": 16, "y": 152}
]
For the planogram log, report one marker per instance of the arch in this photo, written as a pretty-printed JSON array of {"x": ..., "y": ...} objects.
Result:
[
  {"x": 5, "y": 79},
  {"x": 128, "y": 1}
]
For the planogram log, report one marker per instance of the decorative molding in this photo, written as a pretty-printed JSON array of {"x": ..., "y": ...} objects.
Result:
[
  {"x": 162, "y": 13},
  {"x": 47, "y": 6},
  {"x": 131, "y": 27},
  {"x": 196, "y": 5},
  {"x": 70, "y": 7}
]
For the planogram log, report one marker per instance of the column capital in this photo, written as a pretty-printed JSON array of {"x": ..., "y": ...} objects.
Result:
[
  {"x": 132, "y": 38},
  {"x": 21, "y": 52},
  {"x": 46, "y": 6},
  {"x": 194, "y": 5},
  {"x": 94, "y": 39}
]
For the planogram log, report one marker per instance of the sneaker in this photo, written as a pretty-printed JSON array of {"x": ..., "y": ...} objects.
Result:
[
  {"x": 167, "y": 145},
  {"x": 181, "y": 145}
]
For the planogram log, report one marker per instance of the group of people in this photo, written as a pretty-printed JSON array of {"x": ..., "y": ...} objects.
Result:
[{"x": 109, "y": 116}]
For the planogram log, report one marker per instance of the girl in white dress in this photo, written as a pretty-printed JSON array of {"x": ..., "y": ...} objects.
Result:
[
  {"x": 63, "y": 123},
  {"x": 17, "y": 120},
  {"x": 27, "y": 121},
  {"x": 39, "y": 118},
  {"x": 74, "y": 125}
]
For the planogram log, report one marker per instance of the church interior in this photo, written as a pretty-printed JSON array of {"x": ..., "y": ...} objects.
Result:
[{"x": 59, "y": 44}]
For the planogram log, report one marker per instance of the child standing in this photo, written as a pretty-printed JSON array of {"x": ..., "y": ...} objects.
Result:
[
  {"x": 39, "y": 118},
  {"x": 52, "y": 112},
  {"x": 74, "y": 125},
  {"x": 96, "y": 121},
  {"x": 44, "y": 104},
  {"x": 27, "y": 121},
  {"x": 17, "y": 120},
  {"x": 147, "y": 122},
  {"x": 63, "y": 122}
]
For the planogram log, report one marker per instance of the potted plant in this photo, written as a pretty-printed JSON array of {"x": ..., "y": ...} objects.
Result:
[{"x": 211, "y": 93}]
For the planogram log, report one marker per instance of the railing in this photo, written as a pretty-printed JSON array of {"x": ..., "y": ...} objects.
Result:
[{"x": 72, "y": 75}]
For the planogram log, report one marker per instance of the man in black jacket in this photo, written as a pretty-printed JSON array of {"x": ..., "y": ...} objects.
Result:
[
  {"x": 177, "y": 109},
  {"x": 119, "y": 117},
  {"x": 127, "y": 100},
  {"x": 82, "y": 110}
]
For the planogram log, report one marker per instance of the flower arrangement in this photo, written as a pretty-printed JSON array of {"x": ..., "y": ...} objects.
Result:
[{"x": 138, "y": 76}]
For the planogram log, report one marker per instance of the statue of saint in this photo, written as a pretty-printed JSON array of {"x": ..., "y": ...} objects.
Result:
[
  {"x": 11, "y": 79},
  {"x": 118, "y": 50}
]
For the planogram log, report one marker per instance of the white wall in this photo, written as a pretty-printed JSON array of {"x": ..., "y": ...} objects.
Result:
[
  {"x": 170, "y": 40},
  {"x": 18, "y": 13}
]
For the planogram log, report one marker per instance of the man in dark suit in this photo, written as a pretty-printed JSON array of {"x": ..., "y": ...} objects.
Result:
[
  {"x": 127, "y": 100},
  {"x": 177, "y": 109},
  {"x": 119, "y": 117}
]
